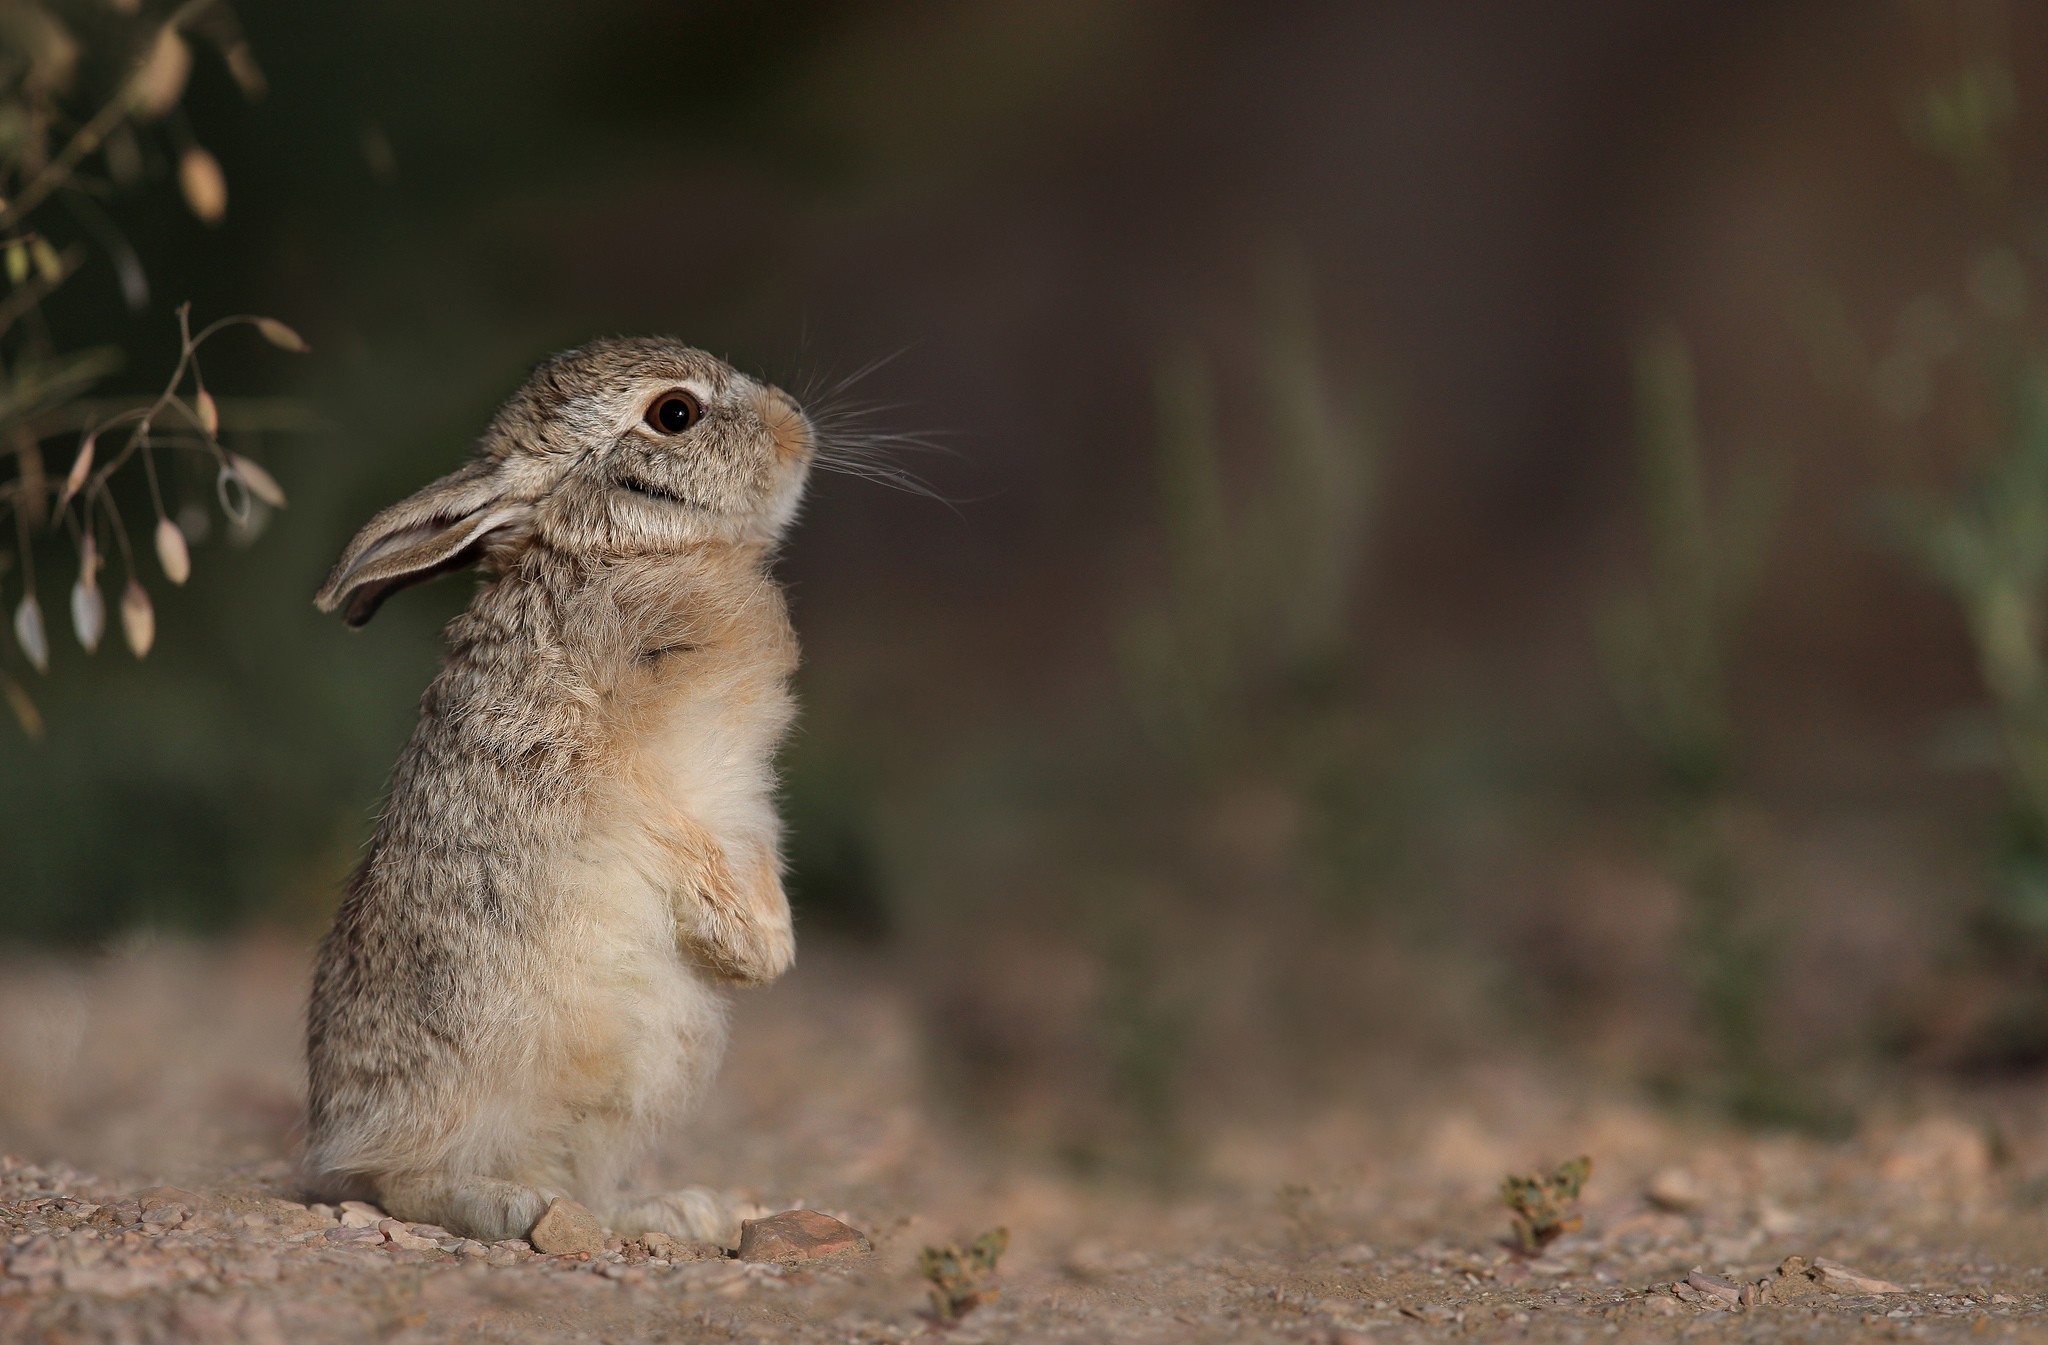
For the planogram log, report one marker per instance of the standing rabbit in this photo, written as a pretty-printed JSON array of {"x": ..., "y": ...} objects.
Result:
[{"x": 579, "y": 851}]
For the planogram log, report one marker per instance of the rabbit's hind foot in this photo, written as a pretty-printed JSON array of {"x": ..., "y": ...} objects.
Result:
[
  {"x": 485, "y": 1208},
  {"x": 693, "y": 1213}
]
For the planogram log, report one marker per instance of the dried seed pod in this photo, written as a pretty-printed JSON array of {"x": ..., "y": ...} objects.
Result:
[
  {"x": 171, "y": 552},
  {"x": 281, "y": 336},
  {"x": 88, "y": 613},
  {"x": 24, "y": 709},
  {"x": 209, "y": 413},
  {"x": 234, "y": 494},
  {"x": 74, "y": 480},
  {"x": 160, "y": 80},
  {"x": 249, "y": 75},
  {"x": 88, "y": 605},
  {"x": 48, "y": 267},
  {"x": 261, "y": 483},
  {"x": 28, "y": 632},
  {"x": 138, "y": 618},
  {"x": 204, "y": 185}
]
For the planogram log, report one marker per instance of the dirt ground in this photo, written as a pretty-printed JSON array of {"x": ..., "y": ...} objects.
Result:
[{"x": 149, "y": 1098}]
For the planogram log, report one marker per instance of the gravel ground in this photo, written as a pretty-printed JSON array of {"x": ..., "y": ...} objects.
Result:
[{"x": 148, "y": 1100}]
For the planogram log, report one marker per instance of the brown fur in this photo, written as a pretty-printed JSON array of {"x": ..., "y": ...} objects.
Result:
[{"x": 579, "y": 849}]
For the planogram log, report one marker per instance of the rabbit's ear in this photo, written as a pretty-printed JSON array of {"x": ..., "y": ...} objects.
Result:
[{"x": 438, "y": 530}]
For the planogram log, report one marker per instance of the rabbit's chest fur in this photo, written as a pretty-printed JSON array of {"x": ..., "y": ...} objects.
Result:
[{"x": 688, "y": 714}]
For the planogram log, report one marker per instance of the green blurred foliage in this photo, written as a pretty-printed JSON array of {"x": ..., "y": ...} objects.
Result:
[
  {"x": 1667, "y": 649},
  {"x": 1261, "y": 576},
  {"x": 1669, "y": 653}
]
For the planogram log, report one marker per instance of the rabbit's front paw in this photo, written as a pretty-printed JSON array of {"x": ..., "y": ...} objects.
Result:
[
  {"x": 745, "y": 952},
  {"x": 774, "y": 952}
]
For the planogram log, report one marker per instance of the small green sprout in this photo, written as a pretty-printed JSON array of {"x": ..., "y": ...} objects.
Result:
[
  {"x": 960, "y": 1279},
  {"x": 1546, "y": 1207}
]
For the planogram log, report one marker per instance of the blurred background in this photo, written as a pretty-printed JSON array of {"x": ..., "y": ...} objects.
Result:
[{"x": 1462, "y": 527}]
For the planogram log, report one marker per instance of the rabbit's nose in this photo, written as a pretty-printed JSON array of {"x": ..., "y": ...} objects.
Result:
[{"x": 785, "y": 422}]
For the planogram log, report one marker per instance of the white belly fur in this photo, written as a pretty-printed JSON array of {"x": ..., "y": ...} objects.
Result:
[{"x": 636, "y": 1030}]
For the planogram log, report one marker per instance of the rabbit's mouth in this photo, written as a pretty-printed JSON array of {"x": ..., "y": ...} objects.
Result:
[{"x": 654, "y": 492}]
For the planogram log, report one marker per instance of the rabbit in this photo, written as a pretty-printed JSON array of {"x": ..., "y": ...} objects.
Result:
[{"x": 579, "y": 854}]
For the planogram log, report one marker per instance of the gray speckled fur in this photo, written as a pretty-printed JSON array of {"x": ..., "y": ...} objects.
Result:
[{"x": 579, "y": 852}]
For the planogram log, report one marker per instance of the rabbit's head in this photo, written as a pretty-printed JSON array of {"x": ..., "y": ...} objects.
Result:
[{"x": 618, "y": 448}]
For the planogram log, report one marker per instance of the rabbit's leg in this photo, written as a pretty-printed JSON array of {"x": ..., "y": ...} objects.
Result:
[
  {"x": 693, "y": 1213},
  {"x": 730, "y": 908},
  {"x": 485, "y": 1208}
]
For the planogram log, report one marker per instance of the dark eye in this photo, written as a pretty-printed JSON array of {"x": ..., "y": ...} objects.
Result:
[{"x": 674, "y": 412}]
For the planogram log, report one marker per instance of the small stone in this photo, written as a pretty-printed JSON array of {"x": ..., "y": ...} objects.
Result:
[
  {"x": 150, "y": 1197},
  {"x": 501, "y": 1257},
  {"x": 348, "y": 1235},
  {"x": 1725, "y": 1290},
  {"x": 398, "y": 1235},
  {"x": 1674, "y": 1189},
  {"x": 1840, "y": 1279},
  {"x": 566, "y": 1227},
  {"x": 799, "y": 1235},
  {"x": 356, "y": 1214}
]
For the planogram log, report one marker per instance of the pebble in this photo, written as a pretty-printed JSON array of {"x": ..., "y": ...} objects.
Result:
[
  {"x": 1725, "y": 1290},
  {"x": 399, "y": 1235},
  {"x": 1838, "y": 1278},
  {"x": 799, "y": 1235},
  {"x": 1674, "y": 1189},
  {"x": 352, "y": 1233},
  {"x": 567, "y": 1227}
]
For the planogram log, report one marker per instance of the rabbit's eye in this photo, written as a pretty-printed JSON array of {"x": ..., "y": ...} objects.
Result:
[{"x": 674, "y": 412}]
